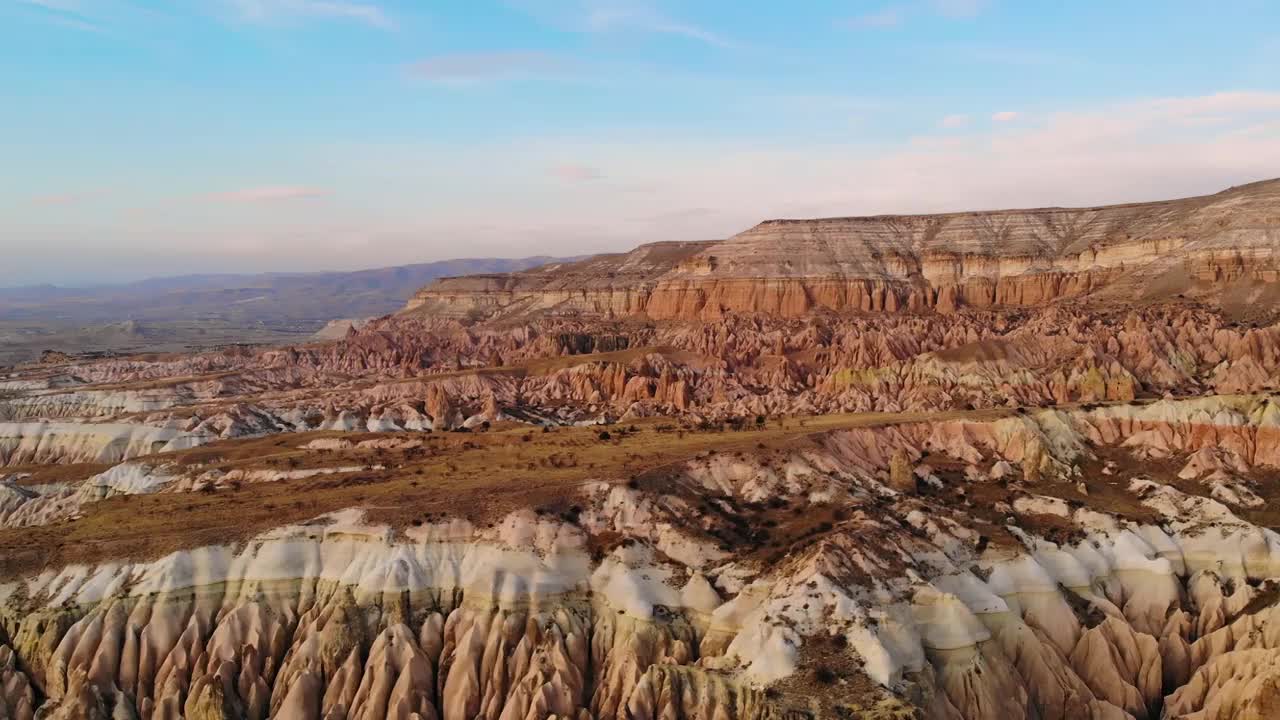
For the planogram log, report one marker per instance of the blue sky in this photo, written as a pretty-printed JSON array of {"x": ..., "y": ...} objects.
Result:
[{"x": 143, "y": 137}]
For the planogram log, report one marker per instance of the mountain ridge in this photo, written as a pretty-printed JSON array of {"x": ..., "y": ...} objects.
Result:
[{"x": 1200, "y": 247}]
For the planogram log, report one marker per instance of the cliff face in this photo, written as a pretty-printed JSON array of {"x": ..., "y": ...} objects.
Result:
[{"x": 1217, "y": 247}]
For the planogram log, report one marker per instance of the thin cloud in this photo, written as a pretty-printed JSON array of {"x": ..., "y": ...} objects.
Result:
[
  {"x": 270, "y": 194},
  {"x": 629, "y": 16},
  {"x": 469, "y": 68},
  {"x": 959, "y": 8},
  {"x": 618, "y": 16},
  {"x": 261, "y": 11},
  {"x": 678, "y": 216},
  {"x": 67, "y": 13},
  {"x": 57, "y": 199},
  {"x": 887, "y": 18},
  {"x": 897, "y": 15},
  {"x": 576, "y": 173},
  {"x": 1005, "y": 116},
  {"x": 53, "y": 5},
  {"x": 954, "y": 121}
]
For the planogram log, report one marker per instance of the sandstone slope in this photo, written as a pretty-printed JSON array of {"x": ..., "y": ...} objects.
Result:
[{"x": 1219, "y": 247}]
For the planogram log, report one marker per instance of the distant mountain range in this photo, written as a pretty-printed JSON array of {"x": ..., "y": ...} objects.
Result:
[
  {"x": 191, "y": 312},
  {"x": 270, "y": 298}
]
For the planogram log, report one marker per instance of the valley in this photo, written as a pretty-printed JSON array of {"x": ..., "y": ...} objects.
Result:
[{"x": 1015, "y": 464}]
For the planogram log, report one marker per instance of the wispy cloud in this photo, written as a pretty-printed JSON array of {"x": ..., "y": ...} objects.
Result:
[
  {"x": 959, "y": 8},
  {"x": 1005, "y": 116},
  {"x": 67, "y": 13},
  {"x": 54, "y": 5},
  {"x": 631, "y": 15},
  {"x": 886, "y": 18},
  {"x": 954, "y": 121},
  {"x": 896, "y": 15},
  {"x": 1078, "y": 155},
  {"x": 573, "y": 172},
  {"x": 278, "y": 10},
  {"x": 470, "y": 68},
  {"x": 270, "y": 194},
  {"x": 619, "y": 16},
  {"x": 58, "y": 199}
]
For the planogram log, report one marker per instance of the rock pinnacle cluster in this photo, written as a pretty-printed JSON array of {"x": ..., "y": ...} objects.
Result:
[{"x": 971, "y": 466}]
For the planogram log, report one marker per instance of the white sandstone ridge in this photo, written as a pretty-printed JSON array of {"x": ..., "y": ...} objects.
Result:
[
  {"x": 1001, "y": 635},
  {"x": 337, "y": 618},
  {"x": 33, "y": 505},
  {"x": 974, "y": 635},
  {"x": 128, "y": 478},
  {"x": 52, "y": 442},
  {"x": 89, "y": 404},
  {"x": 1106, "y": 622}
]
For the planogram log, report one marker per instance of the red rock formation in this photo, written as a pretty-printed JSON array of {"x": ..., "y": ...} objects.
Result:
[{"x": 1201, "y": 247}]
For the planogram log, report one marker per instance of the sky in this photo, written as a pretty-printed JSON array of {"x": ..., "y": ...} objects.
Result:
[{"x": 153, "y": 137}]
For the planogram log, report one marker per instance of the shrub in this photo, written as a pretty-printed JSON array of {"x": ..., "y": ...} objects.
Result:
[{"x": 824, "y": 675}]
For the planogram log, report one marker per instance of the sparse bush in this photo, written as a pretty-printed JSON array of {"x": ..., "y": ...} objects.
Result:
[{"x": 824, "y": 675}]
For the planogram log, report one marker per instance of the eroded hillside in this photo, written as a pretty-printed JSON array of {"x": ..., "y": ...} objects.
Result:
[
  {"x": 1220, "y": 248},
  {"x": 544, "y": 495}
]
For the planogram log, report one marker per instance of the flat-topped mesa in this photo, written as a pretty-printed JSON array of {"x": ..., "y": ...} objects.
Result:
[
  {"x": 1218, "y": 248},
  {"x": 602, "y": 285}
]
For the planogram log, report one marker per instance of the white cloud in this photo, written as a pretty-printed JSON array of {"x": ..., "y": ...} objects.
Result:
[
  {"x": 619, "y": 16},
  {"x": 886, "y": 18},
  {"x": 67, "y": 13},
  {"x": 1086, "y": 156},
  {"x": 954, "y": 121},
  {"x": 895, "y": 15},
  {"x": 426, "y": 200},
  {"x": 276, "y": 10},
  {"x": 56, "y": 199},
  {"x": 470, "y": 68},
  {"x": 959, "y": 8},
  {"x": 270, "y": 193},
  {"x": 573, "y": 172},
  {"x": 1005, "y": 116},
  {"x": 71, "y": 6}
]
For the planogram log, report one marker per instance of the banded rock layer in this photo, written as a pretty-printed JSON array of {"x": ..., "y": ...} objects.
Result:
[{"x": 1222, "y": 247}]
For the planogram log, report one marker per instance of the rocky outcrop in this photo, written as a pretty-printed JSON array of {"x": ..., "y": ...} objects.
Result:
[
  {"x": 46, "y": 442},
  {"x": 655, "y": 602},
  {"x": 17, "y": 698}
]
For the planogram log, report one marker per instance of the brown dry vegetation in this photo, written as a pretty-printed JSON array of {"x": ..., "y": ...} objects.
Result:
[
  {"x": 41, "y": 474},
  {"x": 834, "y": 685},
  {"x": 479, "y": 476}
]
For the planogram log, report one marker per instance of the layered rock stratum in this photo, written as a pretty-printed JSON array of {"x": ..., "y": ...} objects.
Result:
[
  {"x": 1218, "y": 247},
  {"x": 1019, "y": 464}
]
